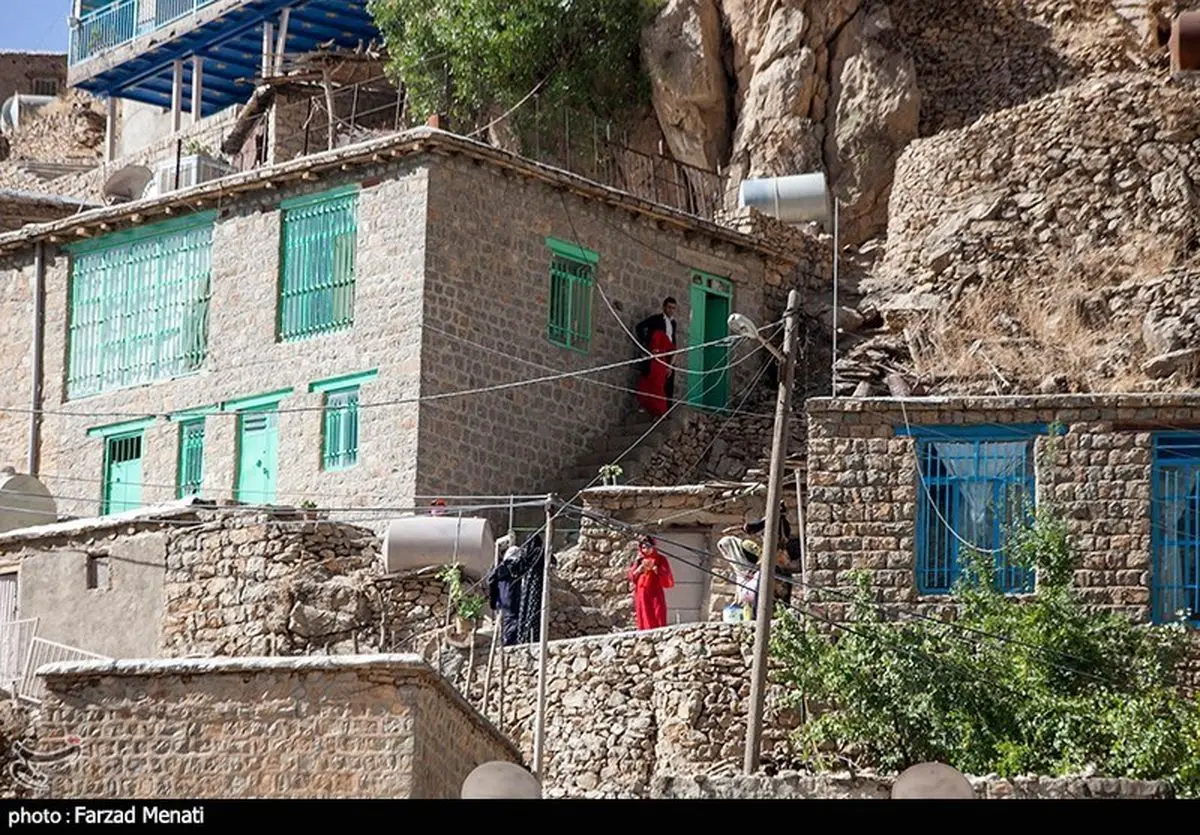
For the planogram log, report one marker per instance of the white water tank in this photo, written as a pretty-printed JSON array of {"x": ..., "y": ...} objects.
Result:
[
  {"x": 24, "y": 502},
  {"x": 800, "y": 198},
  {"x": 423, "y": 541}
]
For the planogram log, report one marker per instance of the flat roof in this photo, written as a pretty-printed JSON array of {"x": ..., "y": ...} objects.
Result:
[{"x": 416, "y": 142}]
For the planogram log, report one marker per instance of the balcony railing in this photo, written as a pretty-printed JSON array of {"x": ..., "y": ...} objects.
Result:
[
  {"x": 122, "y": 21},
  {"x": 42, "y": 652}
]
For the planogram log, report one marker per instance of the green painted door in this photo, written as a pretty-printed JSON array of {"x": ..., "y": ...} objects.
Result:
[
  {"x": 258, "y": 456},
  {"x": 708, "y": 380},
  {"x": 123, "y": 473}
]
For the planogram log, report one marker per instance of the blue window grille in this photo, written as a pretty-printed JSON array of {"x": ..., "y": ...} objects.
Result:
[
  {"x": 317, "y": 264},
  {"x": 975, "y": 484},
  {"x": 1175, "y": 541},
  {"x": 341, "y": 429},
  {"x": 191, "y": 458}
]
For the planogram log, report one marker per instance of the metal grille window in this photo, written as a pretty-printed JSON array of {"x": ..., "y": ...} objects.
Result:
[
  {"x": 191, "y": 457},
  {"x": 1175, "y": 502},
  {"x": 572, "y": 275},
  {"x": 341, "y": 429},
  {"x": 317, "y": 264},
  {"x": 974, "y": 487},
  {"x": 139, "y": 306},
  {"x": 122, "y": 473}
]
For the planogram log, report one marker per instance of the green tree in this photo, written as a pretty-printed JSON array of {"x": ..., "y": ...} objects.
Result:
[
  {"x": 474, "y": 59},
  {"x": 1039, "y": 685}
]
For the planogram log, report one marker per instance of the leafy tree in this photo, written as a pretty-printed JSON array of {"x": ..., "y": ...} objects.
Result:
[
  {"x": 474, "y": 59},
  {"x": 1033, "y": 686}
]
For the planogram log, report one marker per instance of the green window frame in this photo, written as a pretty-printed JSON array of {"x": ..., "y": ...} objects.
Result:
[
  {"x": 339, "y": 419},
  {"x": 572, "y": 277},
  {"x": 138, "y": 306},
  {"x": 190, "y": 479},
  {"x": 318, "y": 243}
]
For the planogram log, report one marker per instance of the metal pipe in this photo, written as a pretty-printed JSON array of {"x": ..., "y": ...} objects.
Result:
[
  {"x": 35, "y": 394},
  {"x": 539, "y": 729},
  {"x": 770, "y": 543},
  {"x": 833, "y": 370}
]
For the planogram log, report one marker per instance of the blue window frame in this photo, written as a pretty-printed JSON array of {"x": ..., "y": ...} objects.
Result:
[
  {"x": 974, "y": 484},
  {"x": 1175, "y": 514}
]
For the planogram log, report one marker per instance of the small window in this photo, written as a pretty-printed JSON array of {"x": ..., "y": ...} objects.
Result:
[
  {"x": 45, "y": 86},
  {"x": 1175, "y": 505},
  {"x": 97, "y": 572},
  {"x": 972, "y": 490},
  {"x": 340, "y": 430},
  {"x": 317, "y": 264},
  {"x": 122, "y": 473},
  {"x": 191, "y": 458},
  {"x": 572, "y": 275}
]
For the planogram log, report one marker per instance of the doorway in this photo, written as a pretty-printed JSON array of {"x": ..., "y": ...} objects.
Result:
[
  {"x": 708, "y": 376},
  {"x": 686, "y": 600},
  {"x": 258, "y": 456}
]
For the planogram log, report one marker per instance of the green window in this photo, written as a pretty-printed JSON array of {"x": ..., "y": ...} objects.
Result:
[
  {"x": 339, "y": 430},
  {"x": 572, "y": 275},
  {"x": 191, "y": 457},
  {"x": 316, "y": 285},
  {"x": 139, "y": 305},
  {"x": 122, "y": 473}
]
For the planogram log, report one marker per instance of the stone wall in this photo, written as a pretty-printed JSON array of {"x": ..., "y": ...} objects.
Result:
[
  {"x": 863, "y": 490},
  {"x": 624, "y": 709},
  {"x": 369, "y": 726},
  {"x": 878, "y": 787}
]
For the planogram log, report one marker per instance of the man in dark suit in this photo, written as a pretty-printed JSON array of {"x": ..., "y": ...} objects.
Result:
[{"x": 664, "y": 322}]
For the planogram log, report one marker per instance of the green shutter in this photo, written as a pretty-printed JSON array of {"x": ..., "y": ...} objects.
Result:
[
  {"x": 317, "y": 263},
  {"x": 122, "y": 473},
  {"x": 191, "y": 457},
  {"x": 340, "y": 430},
  {"x": 258, "y": 456},
  {"x": 139, "y": 306},
  {"x": 572, "y": 275}
]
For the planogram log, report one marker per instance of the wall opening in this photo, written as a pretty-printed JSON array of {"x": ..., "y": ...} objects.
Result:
[{"x": 97, "y": 572}]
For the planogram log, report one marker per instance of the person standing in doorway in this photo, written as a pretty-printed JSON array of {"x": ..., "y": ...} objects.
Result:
[
  {"x": 651, "y": 576},
  {"x": 656, "y": 334}
]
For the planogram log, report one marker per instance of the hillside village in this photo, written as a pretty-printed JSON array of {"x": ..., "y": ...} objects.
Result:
[{"x": 336, "y": 416}]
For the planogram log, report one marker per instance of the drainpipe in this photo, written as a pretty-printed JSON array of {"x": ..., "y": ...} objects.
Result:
[{"x": 35, "y": 394}]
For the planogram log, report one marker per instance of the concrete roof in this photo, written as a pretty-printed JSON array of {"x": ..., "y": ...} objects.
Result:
[{"x": 416, "y": 142}]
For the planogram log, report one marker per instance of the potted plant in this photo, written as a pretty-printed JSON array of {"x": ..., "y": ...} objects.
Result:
[
  {"x": 466, "y": 608},
  {"x": 308, "y": 510},
  {"x": 609, "y": 474}
]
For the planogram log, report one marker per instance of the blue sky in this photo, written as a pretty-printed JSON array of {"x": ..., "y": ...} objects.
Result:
[{"x": 35, "y": 25}]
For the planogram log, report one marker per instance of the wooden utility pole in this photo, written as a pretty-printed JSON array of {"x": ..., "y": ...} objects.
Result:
[{"x": 539, "y": 730}]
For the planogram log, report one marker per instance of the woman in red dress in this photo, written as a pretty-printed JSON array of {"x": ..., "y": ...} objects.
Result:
[
  {"x": 650, "y": 575},
  {"x": 656, "y": 334}
]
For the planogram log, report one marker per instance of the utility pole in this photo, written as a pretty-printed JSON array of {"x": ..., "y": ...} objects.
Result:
[
  {"x": 539, "y": 730},
  {"x": 766, "y": 569}
]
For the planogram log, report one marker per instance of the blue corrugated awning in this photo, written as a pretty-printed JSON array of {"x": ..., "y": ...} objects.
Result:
[{"x": 231, "y": 47}]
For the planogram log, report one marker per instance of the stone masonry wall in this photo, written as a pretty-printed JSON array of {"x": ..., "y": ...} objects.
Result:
[
  {"x": 624, "y": 709},
  {"x": 244, "y": 359},
  {"x": 487, "y": 282},
  {"x": 878, "y": 787},
  {"x": 18, "y": 70},
  {"x": 862, "y": 490},
  {"x": 370, "y": 726}
]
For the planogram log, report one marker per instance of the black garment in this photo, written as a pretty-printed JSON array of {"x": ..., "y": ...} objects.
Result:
[
  {"x": 657, "y": 322},
  {"x": 790, "y": 544},
  {"x": 525, "y": 569},
  {"x": 504, "y": 595}
]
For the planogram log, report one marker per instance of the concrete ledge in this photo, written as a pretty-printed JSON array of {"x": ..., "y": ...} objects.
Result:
[
  {"x": 139, "y": 667},
  {"x": 824, "y": 405}
]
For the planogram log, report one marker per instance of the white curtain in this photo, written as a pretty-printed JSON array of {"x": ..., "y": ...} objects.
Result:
[
  {"x": 1178, "y": 488},
  {"x": 981, "y": 465}
]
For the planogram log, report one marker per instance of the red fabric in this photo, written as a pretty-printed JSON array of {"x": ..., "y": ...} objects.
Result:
[
  {"x": 652, "y": 388},
  {"x": 649, "y": 584}
]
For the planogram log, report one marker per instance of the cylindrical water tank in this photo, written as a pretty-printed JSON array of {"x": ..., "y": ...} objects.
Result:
[
  {"x": 24, "y": 502},
  {"x": 1184, "y": 43},
  {"x": 423, "y": 541},
  {"x": 800, "y": 198}
]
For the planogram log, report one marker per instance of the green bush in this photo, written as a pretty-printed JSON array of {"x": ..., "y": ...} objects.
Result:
[
  {"x": 469, "y": 59},
  {"x": 1032, "y": 686}
]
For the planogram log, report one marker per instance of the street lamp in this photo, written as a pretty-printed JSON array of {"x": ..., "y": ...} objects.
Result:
[{"x": 743, "y": 326}]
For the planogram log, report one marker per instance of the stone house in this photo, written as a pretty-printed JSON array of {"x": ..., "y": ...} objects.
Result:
[
  {"x": 356, "y": 328},
  {"x": 32, "y": 73},
  {"x": 900, "y": 487}
]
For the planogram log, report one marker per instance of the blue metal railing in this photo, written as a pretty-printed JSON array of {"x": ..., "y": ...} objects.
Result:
[{"x": 119, "y": 22}]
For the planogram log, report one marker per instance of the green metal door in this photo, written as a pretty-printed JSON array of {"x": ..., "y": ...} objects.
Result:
[
  {"x": 258, "y": 456},
  {"x": 123, "y": 473},
  {"x": 708, "y": 380}
]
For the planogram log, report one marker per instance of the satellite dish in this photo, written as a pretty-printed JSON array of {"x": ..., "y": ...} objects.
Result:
[
  {"x": 932, "y": 781},
  {"x": 127, "y": 184},
  {"x": 24, "y": 502},
  {"x": 501, "y": 781}
]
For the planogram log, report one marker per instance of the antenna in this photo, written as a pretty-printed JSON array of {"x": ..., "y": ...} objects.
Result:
[
  {"x": 932, "y": 781},
  {"x": 127, "y": 184}
]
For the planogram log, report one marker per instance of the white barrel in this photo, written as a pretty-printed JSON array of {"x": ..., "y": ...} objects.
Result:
[
  {"x": 422, "y": 541},
  {"x": 501, "y": 781},
  {"x": 24, "y": 502},
  {"x": 800, "y": 198}
]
